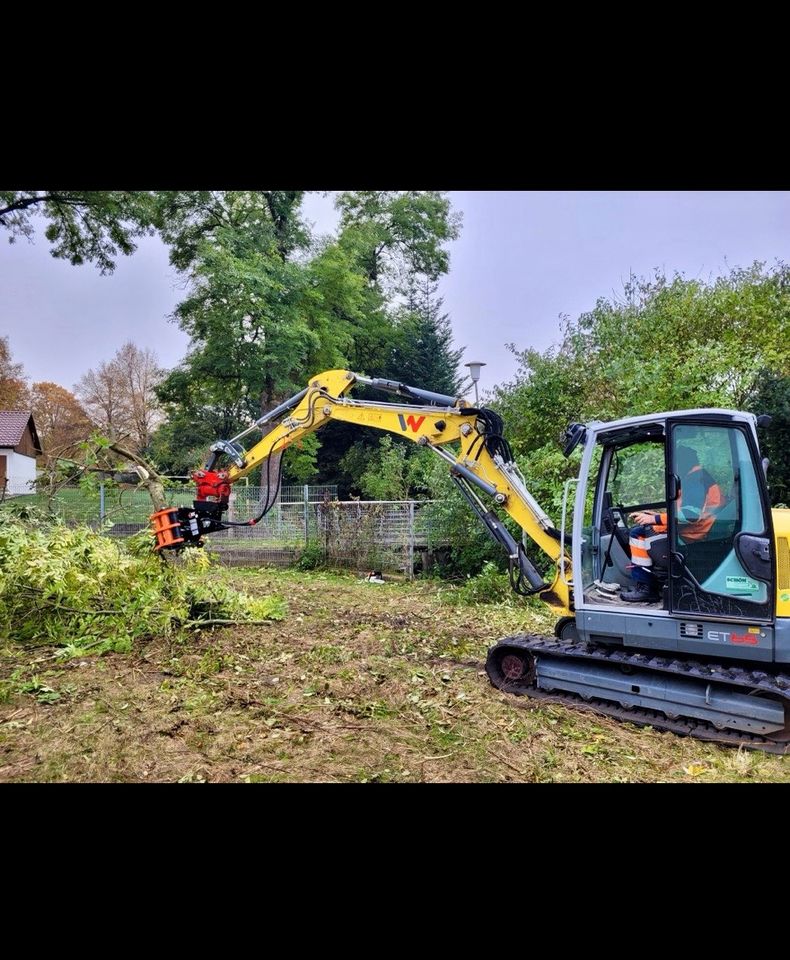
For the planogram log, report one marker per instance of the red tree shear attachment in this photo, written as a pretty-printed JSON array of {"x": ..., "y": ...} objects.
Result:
[
  {"x": 167, "y": 529},
  {"x": 212, "y": 485}
]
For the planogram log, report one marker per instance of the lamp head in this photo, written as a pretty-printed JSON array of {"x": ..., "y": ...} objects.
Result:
[{"x": 474, "y": 370}]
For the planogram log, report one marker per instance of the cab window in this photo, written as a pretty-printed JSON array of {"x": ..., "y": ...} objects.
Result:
[{"x": 636, "y": 476}]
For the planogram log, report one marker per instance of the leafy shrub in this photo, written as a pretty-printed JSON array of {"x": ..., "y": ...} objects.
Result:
[
  {"x": 75, "y": 588},
  {"x": 23, "y": 508},
  {"x": 462, "y": 543},
  {"x": 489, "y": 586},
  {"x": 313, "y": 557}
]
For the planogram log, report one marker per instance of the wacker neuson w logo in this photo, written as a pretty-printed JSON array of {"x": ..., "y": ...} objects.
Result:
[{"x": 414, "y": 422}]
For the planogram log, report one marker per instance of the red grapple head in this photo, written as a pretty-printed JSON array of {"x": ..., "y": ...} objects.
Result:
[{"x": 212, "y": 485}]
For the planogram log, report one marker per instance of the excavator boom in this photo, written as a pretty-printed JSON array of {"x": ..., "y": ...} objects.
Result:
[{"x": 468, "y": 439}]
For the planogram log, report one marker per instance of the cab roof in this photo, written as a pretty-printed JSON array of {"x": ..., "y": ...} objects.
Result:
[{"x": 739, "y": 416}]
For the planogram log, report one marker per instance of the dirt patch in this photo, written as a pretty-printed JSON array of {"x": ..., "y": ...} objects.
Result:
[{"x": 361, "y": 682}]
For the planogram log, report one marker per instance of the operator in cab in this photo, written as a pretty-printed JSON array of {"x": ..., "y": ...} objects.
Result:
[{"x": 699, "y": 499}]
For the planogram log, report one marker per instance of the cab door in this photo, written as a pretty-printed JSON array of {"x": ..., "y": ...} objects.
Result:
[{"x": 721, "y": 560}]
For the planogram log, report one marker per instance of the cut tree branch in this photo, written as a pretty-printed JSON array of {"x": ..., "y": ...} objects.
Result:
[{"x": 150, "y": 478}]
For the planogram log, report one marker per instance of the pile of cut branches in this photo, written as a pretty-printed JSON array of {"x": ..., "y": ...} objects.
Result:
[{"x": 85, "y": 592}]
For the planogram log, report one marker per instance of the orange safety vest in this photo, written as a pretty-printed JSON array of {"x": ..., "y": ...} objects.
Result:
[{"x": 700, "y": 528}]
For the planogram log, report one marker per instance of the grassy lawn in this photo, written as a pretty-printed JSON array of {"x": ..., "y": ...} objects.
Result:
[
  {"x": 123, "y": 506},
  {"x": 361, "y": 682}
]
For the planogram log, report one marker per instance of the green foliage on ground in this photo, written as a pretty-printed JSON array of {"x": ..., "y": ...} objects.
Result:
[
  {"x": 488, "y": 586},
  {"x": 84, "y": 592},
  {"x": 313, "y": 557},
  {"x": 361, "y": 683}
]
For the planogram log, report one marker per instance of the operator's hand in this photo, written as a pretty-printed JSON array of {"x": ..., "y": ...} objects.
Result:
[{"x": 643, "y": 516}]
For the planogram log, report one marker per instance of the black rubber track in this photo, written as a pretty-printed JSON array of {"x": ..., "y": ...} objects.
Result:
[{"x": 759, "y": 681}]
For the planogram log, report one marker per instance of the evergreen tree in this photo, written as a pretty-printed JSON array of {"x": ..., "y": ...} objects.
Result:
[{"x": 423, "y": 354}]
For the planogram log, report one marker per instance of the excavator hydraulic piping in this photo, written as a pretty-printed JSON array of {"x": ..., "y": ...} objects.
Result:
[
  {"x": 283, "y": 408},
  {"x": 404, "y": 390}
]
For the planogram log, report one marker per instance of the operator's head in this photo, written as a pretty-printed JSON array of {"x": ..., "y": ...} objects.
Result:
[{"x": 686, "y": 458}]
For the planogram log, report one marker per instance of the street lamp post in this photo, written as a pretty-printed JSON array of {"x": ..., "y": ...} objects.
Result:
[{"x": 474, "y": 373}]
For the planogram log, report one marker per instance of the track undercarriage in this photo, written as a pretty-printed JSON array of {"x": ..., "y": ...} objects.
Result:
[{"x": 709, "y": 701}]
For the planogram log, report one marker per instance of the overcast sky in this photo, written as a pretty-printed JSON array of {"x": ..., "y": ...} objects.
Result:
[{"x": 522, "y": 260}]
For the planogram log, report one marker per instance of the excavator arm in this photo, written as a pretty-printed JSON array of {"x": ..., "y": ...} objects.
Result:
[{"x": 468, "y": 439}]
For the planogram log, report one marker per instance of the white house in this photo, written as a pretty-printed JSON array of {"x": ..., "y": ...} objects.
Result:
[{"x": 19, "y": 447}]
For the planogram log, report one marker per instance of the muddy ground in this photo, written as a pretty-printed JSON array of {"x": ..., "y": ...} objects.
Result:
[{"x": 361, "y": 682}]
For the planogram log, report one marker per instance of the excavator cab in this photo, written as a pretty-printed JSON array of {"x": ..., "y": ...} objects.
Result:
[
  {"x": 715, "y": 575},
  {"x": 707, "y": 657}
]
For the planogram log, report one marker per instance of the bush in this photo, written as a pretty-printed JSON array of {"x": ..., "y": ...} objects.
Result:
[
  {"x": 489, "y": 586},
  {"x": 75, "y": 588},
  {"x": 453, "y": 530},
  {"x": 313, "y": 557}
]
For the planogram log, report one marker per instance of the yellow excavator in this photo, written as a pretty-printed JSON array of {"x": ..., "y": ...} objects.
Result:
[{"x": 706, "y": 654}]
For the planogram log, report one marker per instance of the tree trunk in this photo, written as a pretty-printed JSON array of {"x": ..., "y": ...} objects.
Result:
[{"x": 149, "y": 477}]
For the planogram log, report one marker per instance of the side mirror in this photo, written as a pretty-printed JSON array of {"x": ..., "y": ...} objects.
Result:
[{"x": 572, "y": 437}]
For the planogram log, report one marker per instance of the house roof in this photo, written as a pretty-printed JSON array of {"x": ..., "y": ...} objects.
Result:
[{"x": 13, "y": 424}]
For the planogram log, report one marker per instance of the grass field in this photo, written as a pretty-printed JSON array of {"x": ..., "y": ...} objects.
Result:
[
  {"x": 360, "y": 682},
  {"x": 132, "y": 506},
  {"x": 75, "y": 503}
]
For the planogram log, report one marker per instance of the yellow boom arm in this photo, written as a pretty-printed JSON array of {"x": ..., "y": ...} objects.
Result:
[{"x": 475, "y": 463}]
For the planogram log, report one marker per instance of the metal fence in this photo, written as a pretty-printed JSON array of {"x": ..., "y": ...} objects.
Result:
[
  {"x": 360, "y": 534},
  {"x": 374, "y": 535}
]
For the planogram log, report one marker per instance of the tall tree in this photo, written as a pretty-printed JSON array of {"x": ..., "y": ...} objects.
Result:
[
  {"x": 423, "y": 353},
  {"x": 665, "y": 344},
  {"x": 120, "y": 396},
  {"x": 93, "y": 226},
  {"x": 398, "y": 241},
  {"x": 13, "y": 386},
  {"x": 61, "y": 421},
  {"x": 268, "y": 306},
  {"x": 139, "y": 375},
  {"x": 188, "y": 219},
  {"x": 101, "y": 394},
  {"x": 264, "y": 311},
  {"x": 398, "y": 234}
]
